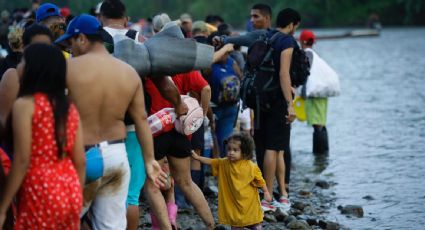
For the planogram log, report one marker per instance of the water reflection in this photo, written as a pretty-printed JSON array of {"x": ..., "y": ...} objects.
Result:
[{"x": 321, "y": 162}]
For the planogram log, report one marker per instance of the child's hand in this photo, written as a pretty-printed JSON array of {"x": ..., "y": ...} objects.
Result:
[
  {"x": 267, "y": 197},
  {"x": 194, "y": 155}
]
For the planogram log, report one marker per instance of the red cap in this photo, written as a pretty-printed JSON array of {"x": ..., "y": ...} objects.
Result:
[
  {"x": 65, "y": 11},
  {"x": 306, "y": 35}
]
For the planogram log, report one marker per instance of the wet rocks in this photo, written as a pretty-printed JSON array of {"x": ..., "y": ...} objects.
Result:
[
  {"x": 352, "y": 210},
  {"x": 328, "y": 225},
  {"x": 304, "y": 193},
  {"x": 270, "y": 217},
  {"x": 323, "y": 184},
  {"x": 298, "y": 224},
  {"x": 299, "y": 205},
  {"x": 368, "y": 197},
  {"x": 280, "y": 215},
  {"x": 289, "y": 219}
]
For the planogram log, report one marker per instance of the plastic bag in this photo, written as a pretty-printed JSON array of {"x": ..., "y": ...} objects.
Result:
[{"x": 323, "y": 80}]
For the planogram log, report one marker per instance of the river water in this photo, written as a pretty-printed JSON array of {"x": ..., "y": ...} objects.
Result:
[{"x": 376, "y": 129}]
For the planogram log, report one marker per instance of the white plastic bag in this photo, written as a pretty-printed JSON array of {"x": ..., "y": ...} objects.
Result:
[{"x": 323, "y": 80}]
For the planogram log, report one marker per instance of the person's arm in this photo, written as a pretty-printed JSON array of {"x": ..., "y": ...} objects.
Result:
[
  {"x": 266, "y": 192},
  {"x": 169, "y": 92},
  {"x": 203, "y": 160},
  {"x": 78, "y": 156},
  {"x": 259, "y": 182},
  {"x": 144, "y": 135},
  {"x": 9, "y": 88},
  {"x": 221, "y": 52},
  {"x": 285, "y": 81},
  {"x": 22, "y": 113},
  {"x": 205, "y": 98},
  {"x": 243, "y": 40}
]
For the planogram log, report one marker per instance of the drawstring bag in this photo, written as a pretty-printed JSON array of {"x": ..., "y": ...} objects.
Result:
[{"x": 192, "y": 121}]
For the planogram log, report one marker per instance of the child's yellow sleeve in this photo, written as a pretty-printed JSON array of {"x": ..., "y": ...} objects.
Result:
[
  {"x": 215, "y": 166},
  {"x": 258, "y": 177}
]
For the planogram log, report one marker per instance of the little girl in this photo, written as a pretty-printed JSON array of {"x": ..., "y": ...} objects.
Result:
[{"x": 238, "y": 180}]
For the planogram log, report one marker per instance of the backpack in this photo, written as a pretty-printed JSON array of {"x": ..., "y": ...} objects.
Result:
[
  {"x": 300, "y": 67},
  {"x": 225, "y": 84},
  {"x": 260, "y": 88}
]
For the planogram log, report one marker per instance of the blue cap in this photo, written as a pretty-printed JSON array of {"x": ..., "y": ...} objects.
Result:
[
  {"x": 82, "y": 24},
  {"x": 47, "y": 10}
]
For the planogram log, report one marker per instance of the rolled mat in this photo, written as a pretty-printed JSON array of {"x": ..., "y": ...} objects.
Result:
[{"x": 166, "y": 53}]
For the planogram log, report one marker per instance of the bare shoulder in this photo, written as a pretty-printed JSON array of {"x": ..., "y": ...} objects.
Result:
[
  {"x": 10, "y": 74},
  {"x": 23, "y": 105},
  {"x": 129, "y": 70}
]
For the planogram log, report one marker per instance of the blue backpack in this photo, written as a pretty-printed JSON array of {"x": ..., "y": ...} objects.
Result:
[{"x": 225, "y": 84}]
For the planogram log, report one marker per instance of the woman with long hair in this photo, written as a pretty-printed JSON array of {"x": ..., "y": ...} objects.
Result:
[{"x": 48, "y": 169}]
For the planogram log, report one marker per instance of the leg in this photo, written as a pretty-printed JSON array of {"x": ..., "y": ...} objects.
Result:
[
  {"x": 157, "y": 204},
  {"x": 180, "y": 169},
  {"x": 259, "y": 148},
  {"x": 226, "y": 117},
  {"x": 108, "y": 209},
  {"x": 137, "y": 179},
  {"x": 132, "y": 217},
  {"x": 270, "y": 158},
  {"x": 256, "y": 227},
  {"x": 288, "y": 161},
  {"x": 197, "y": 143},
  {"x": 280, "y": 173}
]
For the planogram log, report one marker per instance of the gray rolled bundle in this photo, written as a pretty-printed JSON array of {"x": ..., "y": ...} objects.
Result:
[{"x": 166, "y": 53}]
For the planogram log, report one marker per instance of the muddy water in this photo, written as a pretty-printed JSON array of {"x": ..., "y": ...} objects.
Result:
[{"x": 376, "y": 129}]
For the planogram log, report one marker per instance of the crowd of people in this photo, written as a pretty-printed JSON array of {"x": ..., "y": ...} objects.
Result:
[{"x": 69, "y": 107}]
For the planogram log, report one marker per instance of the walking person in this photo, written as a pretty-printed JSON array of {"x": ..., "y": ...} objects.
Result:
[
  {"x": 238, "y": 182},
  {"x": 115, "y": 22},
  {"x": 49, "y": 164},
  {"x": 104, "y": 89}
]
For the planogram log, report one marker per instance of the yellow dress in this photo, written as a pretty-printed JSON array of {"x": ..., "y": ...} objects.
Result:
[{"x": 238, "y": 198}]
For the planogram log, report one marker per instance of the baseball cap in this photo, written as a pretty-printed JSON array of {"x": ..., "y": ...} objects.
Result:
[
  {"x": 307, "y": 35},
  {"x": 200, "y": 26},
  {"x": 82, "y": 24},
  {"x": 65, "y": 11},
  {"x": 185, "y": 18},
  {"x": 47, "y": 10}
]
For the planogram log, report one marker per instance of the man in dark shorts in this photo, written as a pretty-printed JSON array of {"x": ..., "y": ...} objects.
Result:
[{"x": 274, "y": 128}]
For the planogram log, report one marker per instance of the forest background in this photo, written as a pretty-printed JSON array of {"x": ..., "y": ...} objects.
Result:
[{"x": 315, "y": 13}]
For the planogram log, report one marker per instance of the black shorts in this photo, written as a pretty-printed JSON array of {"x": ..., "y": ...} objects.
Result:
[
  {"x": 172, "y": 144},
  {"x": 198, "y": 139},
  {"x": 273, "y": 132}
]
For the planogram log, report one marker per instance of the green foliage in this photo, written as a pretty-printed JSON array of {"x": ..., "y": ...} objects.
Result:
[{"x": 324, "y": 13}]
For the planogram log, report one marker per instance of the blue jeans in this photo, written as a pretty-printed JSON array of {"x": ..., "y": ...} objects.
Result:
[{"x": 225, "y": 121}]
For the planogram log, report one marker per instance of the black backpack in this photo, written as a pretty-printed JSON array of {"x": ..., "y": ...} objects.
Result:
[
  {"x": 260, "y": 89},
  {"x": 300, "y": 67}
]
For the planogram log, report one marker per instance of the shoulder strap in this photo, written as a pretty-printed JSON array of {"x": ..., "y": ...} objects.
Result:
[
  {"x": 275, "y": 36},
  {"x": 131, "y": 34}
]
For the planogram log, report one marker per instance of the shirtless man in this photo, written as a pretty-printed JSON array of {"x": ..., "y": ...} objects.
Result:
[
  {"x": 114, "y": 21},
  {"x": 103, "y": 89}
]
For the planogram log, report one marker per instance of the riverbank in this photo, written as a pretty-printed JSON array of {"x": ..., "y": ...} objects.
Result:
[{"x": 311, "y": 198}]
